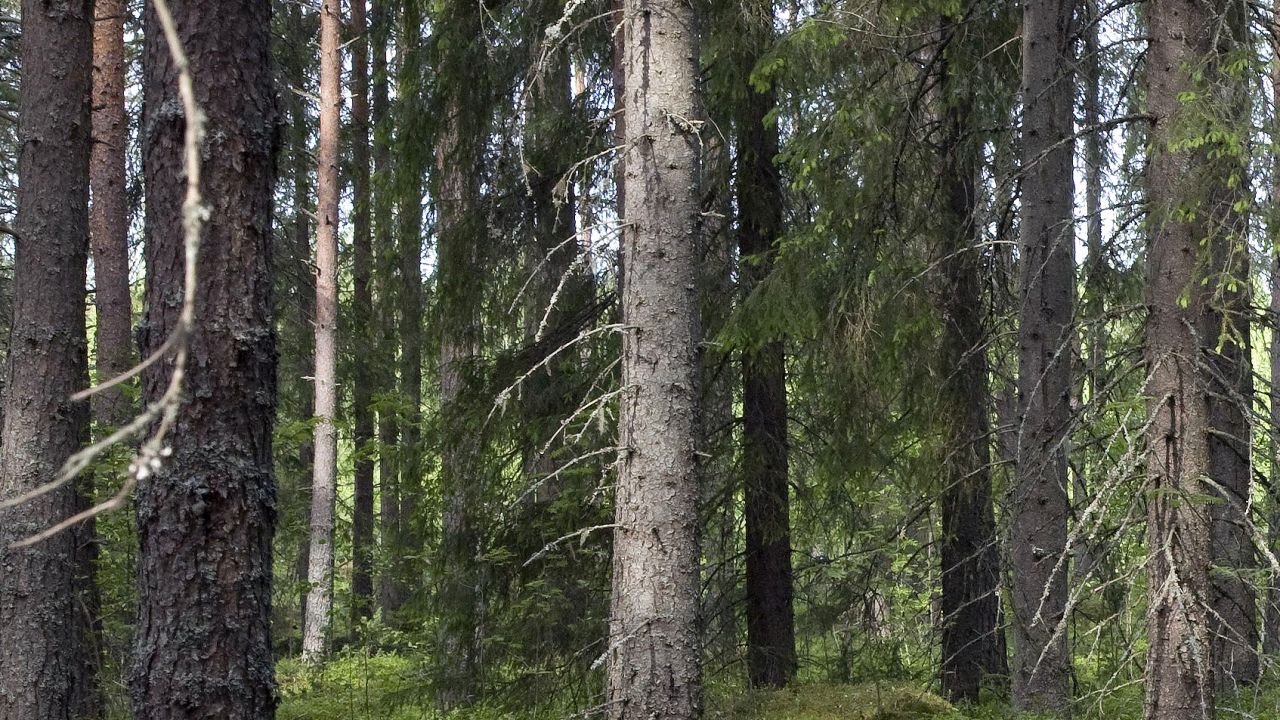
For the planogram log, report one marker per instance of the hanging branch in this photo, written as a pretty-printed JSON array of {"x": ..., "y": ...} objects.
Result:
[{"x": 151, "y": 455}]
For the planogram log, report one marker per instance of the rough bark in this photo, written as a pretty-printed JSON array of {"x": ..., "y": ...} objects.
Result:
[
  {"x": 1179, "y": 668},
  {"x": 771, "y": 651},
  {"x": 362, "y": 330},
  {"x": 654, "y": 664},
  {"x": 461, "y": 228},
  {"x": 1271, "y": 609},
  {"x": 44, "y": 666},
  {"x": 205, "y": 520},
  {"x": 324, "y": 482},
  {"x": 972, "y": 644},
  {"x": 109, "y": 213},
  {"x": 1038, "y": 504}
]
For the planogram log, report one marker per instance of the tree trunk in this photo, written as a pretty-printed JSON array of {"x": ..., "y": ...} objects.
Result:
[
  {"x": 972, "y": 644},
  {"x": 391, "y": 587},
  {"x": 1179, "y": 669},
  {"x": 654, "y": 664},
  {"x": 205, "y": 520},
  {"x": 1046, "y": 337},
  {"x": 45, "y": 669},
  {"x": 109, "y": 213},
  {"x": 324, "y": 483},
  {"x": 362, "y": 330},
  {"x": 771, "y": 641},
  {"x": 1271, "y": 611},
  {"x": 461, "y": 230},
  {"x": 1225, "y": 338}
]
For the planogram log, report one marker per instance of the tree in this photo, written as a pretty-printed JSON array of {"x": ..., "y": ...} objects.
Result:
[
  {"x": 205, "y": 519},
  {"x": 45, "y": 665},
  {"x": 362, "y": 519},
  {"x": 1179, "y": 670},
  {"x": 972, "y": 646},
  {"x": 654, "y": 641},
  {"x": 1046, "y": 332},
  {"x": 324, "y": 482},
  {"x": 771, "y": 653},
  {"x": 109, "y": 213},
  {"x": 461, "y": 227}
]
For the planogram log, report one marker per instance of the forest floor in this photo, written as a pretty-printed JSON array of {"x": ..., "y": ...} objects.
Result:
[{"x": 389, "y": 687}]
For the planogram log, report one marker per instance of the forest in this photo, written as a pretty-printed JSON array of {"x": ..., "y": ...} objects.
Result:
[{"x": 639, "y": 359}]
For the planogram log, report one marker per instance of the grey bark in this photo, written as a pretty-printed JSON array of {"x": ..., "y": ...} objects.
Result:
[
  {"x": 44, "y": 666},
  {"x": 654, "y": 668},
  {"x": 324, "y": 482},
  {"x": 1039, "y": 506},
  {"x": 1179, "y": 678},
  {"x": 205, "y": 520}
]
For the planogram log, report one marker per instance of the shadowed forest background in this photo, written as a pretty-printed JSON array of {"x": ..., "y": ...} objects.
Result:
[{"x": 661, "y": 359}]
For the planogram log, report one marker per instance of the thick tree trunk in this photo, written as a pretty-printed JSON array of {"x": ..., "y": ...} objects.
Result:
[
  {"x": 324, "y": 482},
  {"x": 973, "y": 645},
  {"x": 1046, "y": 337},
  {"x": 461, "y": 230},
  {"x": 771, "y": 640},
  {"x": 45, "y": 670},
  {"x": 654, "y": 664},
  {"x": 1179, "y": 669},
  {"x": 362, "y": 332},
  {"x": 205, "y": 520},
  {"x": 109, "y": 214}
]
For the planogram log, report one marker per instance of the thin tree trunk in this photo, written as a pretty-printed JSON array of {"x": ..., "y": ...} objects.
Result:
[
  {"x": 654, "y": 664},
  {"x": 205, "y": 520},
  {"x": 1179, "y": 668},
  {"x": 461, "y": 230},
  {"x": 362, "y": 330},
  {"x": 45, "y": 665},
  {"x": 324, "y": 483},
  {"x": 1271, "y": 611},
  {"x": 973, "y": 646},
  {"x": 1046, "y": 339},
  {"x": 109, "y": 213},
  {"x": 391, "y": 587},
  {"x": 1225, "y": 338},
  {"x": 771, "y": 641}
]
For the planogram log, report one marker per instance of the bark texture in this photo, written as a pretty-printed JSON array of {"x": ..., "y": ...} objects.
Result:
[
  {"x": 1179, "y": 669},
  {"x": 205, "y": 520},
  {"x": 771, "y": 640},
  {"x": 973, "y": 646},
  {"x": 109, "y": 213},
  {"x": 1271, "y": 609},
  {"x": 44, "y": 665},
  {"x": 324, "y": 482},
  {"x": 654, "y": 665},
  {"x": 1046, "y": 339}
]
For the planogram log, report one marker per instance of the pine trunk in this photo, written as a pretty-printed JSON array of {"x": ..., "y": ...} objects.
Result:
[
  {"x": 109, "y": 213},
  {"x": 205, "y": 520},
  {"x": 1046, "y": 337},
  {"x": 1271, "y": 610},
  {"x": 45, "y": 669},
  {"x": 654, "y": 664},
  {"x": 324, "y": 483}
]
